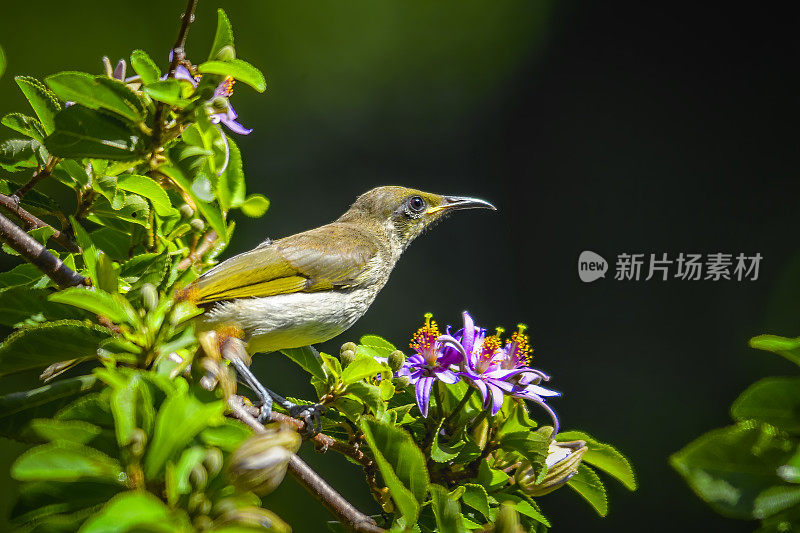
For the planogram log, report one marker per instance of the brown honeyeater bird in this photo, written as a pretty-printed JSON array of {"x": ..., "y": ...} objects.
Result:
[{"x": 310, "y": 287}]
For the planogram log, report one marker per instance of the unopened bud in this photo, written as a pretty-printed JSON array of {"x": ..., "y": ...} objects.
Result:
[
  {"x": 149, "y": 296},
  {"x": 197, "y": 224},
  {"x": 507, "y": 520},
  {"x": 348, "y": 346},
  {"x": 563, "y": 460},
  {"x": 401, "y": 382},
  {"x": 186, "y": 211},
  {"x": 199, "y": 504},
  {"x": 347, "y": 357},
  {"x": 226, "y": 53},
  {"x": 253, "y": 517},
  {"x": 213, "y": 461},
  {"x": 396, "y": 360},
  {"x": 260, "y": 462},
  {"x": 138, "y": 442},
  {"x": 198, "y": 477}
]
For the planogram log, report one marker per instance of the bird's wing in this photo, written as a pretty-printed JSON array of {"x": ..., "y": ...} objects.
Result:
[{"x": 315, "y": 260}]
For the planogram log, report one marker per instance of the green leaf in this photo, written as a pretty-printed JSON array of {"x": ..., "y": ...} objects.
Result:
[
  {"x": 255, "y": 205},
  {"x": 443, "y": 452},
  {"x": 113, "y": 306},
  {"x": 83, "y": 132},
  {"x": 28, "y": 126},
  {"x": 603, "y": 456},
  {"x": 93, "y": 407},
  {"x": 132, "y": 208},
  {"x": 180, "y": 418},
  {"x": 132, "y": 407},
  {"x": 729, "y": 467},
  {"x": 476, "y": 497},
  {"x": 775, "y": 401},
  {"x": 114, "y": 243},
  {"x": 21, "y": 304},
  {"x": 131, "y": 511},
  {"x": 145, "y": 67},
  {"x": 74, "y": 431},
  {"x": 211, "y": 212},
  {"x": 17, "y": 409},
  {"x": 2, "y": 62},
  {"x": 231, "y": 183},
  {"x": 490, "y": 478},
  {"x": 527, "y": 508},
  {"x": 18, "y": 154},
  {"x": 587, "y": 483},
  {"x": 368, "y": 393},
  {"x": 25, "y": 274},
  {"x": 171, "y": 91},
  {"x": 308, "y": 360},
  {"x": 42, "y": 100},
  {"x": 67, "y": 503},
  {"x": 62, "y": 461},
  {"x": 788, "y": 348},
  {"x": 236, "y": 69},
  {"x": 45, "y": 344},
  {"x": 361, "y": 368},
  {"x": 106, "y": 275},
  {"x": 151, "y": 190},
  {"x": 533, "y": 445},
  {"x": 223, "y": 36},
  {"x": 401, "y": 463},
  {"x": 76, "y": 171},
  {"x": 96, "y": 92},
  {"x": 227, "y": 436},
  {"x": 380, "y": 345},
  {"x": 446, "y": 511}
]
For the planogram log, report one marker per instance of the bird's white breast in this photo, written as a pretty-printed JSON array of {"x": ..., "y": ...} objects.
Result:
[{"x": 292, "y": 320}]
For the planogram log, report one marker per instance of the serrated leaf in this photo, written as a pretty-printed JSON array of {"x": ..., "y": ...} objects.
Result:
[
  {"x": 18, "y": 154},
  {"x": 42, "y": 100},
  {"x": 368, "y": 393},
  {"x": 42, "y": 345},
  {"x": 237, "y": 69},
  {"x": 113, "y": 306},
  {"x": 401, "y": 463},
  {"x": 83, "y": 132},
  {"x": 729, "y": 467},
  {"x": 28, "y": 126},
  {"x": 775, "y": 401},
  {"x": 476, "y": 497},
  {"x": 131, "y": 511},
  {"x": 446, "y": 511},
  {"x": 380, "y": 345},
  {"x": 148, "y": 188},
  {"x": 21, "y": 304},
  {"x": 25, "y": 275},
  {"x": 145, "y": 67},
  {"x": 231, "y": 183},
  {"x": 603, "y": 456},
  {"x": 444, "y": 452},
  {"x": 96, "y": 92},
  {"x": 308, "y": 360},
  {"x": 588, "y": 484},
  {"x": 255, "y": 205},
  {"x": 533, "y": 445},
  {"x": 133, "y": 208},
  {"x": 76, "y": 171},
  {"x": 223, "y": 36},
  {"x": 61, "y": 461}
]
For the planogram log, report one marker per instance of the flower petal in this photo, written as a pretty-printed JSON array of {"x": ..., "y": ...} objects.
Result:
[
  {"x": 497, "y": 397},
  {"x": 468, "y": 338},
  {"x": 423, "y": 390},
  {"x": 447, "y": 376}
]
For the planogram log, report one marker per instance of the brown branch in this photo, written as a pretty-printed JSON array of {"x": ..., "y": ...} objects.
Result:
[
  {"x": 343, "y": 510},
  {"x": 38, "y": 176},
  {"x": 35, "y": 253},
  {"x": 32, "y": 222},
  {"x": 197, "y": 254}
]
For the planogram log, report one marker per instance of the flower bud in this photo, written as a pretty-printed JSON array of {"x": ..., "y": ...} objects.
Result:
[
  {"x": 563, "y": 460},
  {"x": 351, "y": 346},
  {"x": 401, "y": 382},
  {"x": 396, "y": 360},
  {"x": 507, "y": 520},
  {"x": 197, "y": 224},
  {"x": 220, "y": 104},
  {"x": 226, "y": 53},
  {"x": 260, "y": 462},
  {"x": 347, "y": 357},
  {"x": 253, "y": 517},
  {"x": 213, "y": 461},
  {"x": 186, "y": 211},
  {"x": 149, "y": 296}
]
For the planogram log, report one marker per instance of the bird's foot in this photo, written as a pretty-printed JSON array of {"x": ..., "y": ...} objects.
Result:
[{"x": 310, "y": 414}]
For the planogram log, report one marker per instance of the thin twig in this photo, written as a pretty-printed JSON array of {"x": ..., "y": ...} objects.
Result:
[
  {"x": 38, "y": 176},
  {"x": 197, "y": 254},
  {"x": 178, "y": 56},
  {"x": 32, "y": 222},
  {"x": 343, "y": 510},
  {"x": 35, "y": 253}
]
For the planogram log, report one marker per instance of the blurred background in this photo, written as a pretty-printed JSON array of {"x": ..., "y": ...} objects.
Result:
[{"x": 643, "y": 128}]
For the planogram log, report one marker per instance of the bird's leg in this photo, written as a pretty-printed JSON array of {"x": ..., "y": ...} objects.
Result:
[{"x": 310, "y": 414}]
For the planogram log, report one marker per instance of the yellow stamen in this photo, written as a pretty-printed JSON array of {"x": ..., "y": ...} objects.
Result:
[
  {"x": 426, "y": 336},
  {"x": 523, "y": 347}
]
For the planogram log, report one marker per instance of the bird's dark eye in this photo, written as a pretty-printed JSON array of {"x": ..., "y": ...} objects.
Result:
[{"x": 416, "y": 204}]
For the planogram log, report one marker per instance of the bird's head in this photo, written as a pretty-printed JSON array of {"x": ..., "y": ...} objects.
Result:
[{"x": 405, "y": 213}]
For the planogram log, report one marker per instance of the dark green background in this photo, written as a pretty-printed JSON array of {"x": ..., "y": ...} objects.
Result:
[{"x": 636, "y": 128}]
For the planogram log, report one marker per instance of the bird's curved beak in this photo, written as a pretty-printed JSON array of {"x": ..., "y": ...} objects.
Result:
[{"x": 453, "y": 203}]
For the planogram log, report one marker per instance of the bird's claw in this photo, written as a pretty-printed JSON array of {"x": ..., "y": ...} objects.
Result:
[{"x": 310, "y": 414}]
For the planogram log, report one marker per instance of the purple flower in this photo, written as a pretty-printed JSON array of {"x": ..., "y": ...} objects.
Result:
[
  {"x": 496, "y": 370},
  {"x": 429, "y": 363},
  {"x": 224, "y": 114}
]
